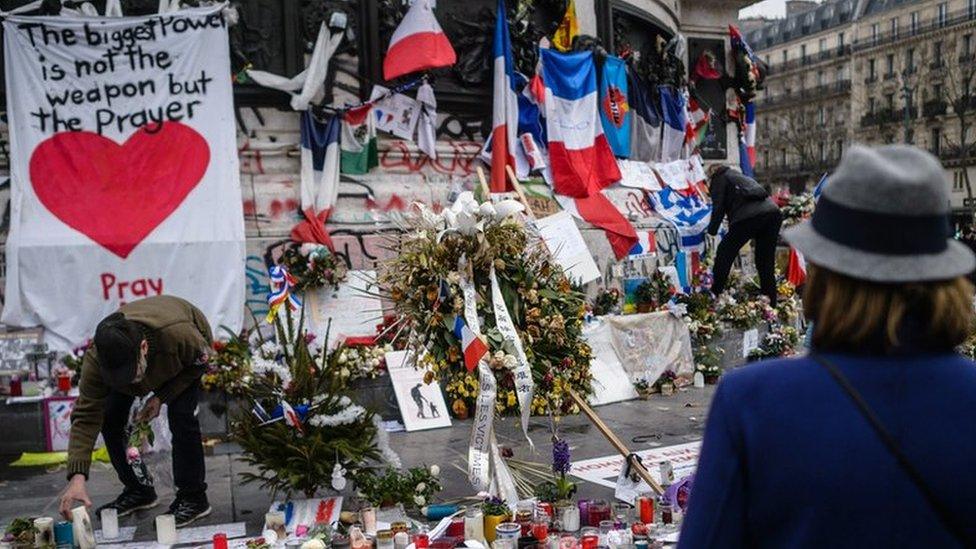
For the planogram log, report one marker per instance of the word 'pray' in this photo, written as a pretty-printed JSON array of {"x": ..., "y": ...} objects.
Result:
[{"x": 141, "y": 287}]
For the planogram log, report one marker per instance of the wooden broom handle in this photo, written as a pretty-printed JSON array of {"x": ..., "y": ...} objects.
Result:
[
  {"x": 483, "y": 184},
  {"x": 635, "y": 465},
  {"x": 519, "y": 192}
]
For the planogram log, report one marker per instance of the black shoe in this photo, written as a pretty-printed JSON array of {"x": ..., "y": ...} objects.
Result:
[
  {"x": 131, "y": 501},
  {"x": 187, "y": 510}
]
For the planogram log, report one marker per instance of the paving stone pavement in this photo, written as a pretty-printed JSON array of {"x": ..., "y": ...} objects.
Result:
[{"x": 667, "y": 420}]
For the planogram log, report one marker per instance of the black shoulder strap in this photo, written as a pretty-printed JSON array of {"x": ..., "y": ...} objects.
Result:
[{"x": 948, "y": 519}]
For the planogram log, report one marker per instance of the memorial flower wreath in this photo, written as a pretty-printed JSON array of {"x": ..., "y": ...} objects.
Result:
[{"x": 424, "y": 282}]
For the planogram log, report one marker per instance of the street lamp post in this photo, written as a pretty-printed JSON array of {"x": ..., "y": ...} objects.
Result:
[{"x": 907, "y": 94}]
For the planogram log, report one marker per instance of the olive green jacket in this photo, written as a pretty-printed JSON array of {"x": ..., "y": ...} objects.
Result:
[{"x": 178, "y": 335}]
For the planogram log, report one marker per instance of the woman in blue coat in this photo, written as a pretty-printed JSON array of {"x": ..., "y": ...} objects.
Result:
[{"x": 870, "y": 441}]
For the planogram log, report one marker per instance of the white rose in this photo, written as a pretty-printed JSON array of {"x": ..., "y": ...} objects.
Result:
[
  {"x": 419, "y": 500},
  {"x": 421, "y": 487},
  {"x": 435, "y": 471}
]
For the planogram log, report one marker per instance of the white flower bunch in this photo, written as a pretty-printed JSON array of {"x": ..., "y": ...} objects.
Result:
[
  {"x": 343, "y": 417},
  {"x": 263, "y": 366}
]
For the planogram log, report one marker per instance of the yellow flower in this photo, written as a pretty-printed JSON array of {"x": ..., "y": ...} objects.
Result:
[{"x": 512, "y": 400}]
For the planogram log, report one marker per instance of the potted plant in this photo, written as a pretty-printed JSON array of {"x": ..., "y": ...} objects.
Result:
[
  {"x": 495, "y": 512},
  {"x": 711, "y": 373},
  {"x": 665, "y": 383},
  {"x": 606, "y": 302},
  {"x": 643, "y": 386},
  {"x": 654, "y": 292}
]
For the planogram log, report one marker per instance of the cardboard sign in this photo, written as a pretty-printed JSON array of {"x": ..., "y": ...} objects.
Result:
[
  {"x": 674, "y": 174},
  {"x": 638, "y": 175},
  {"x": 352, "y": 310},
  {"x": 750, "y": 342}
]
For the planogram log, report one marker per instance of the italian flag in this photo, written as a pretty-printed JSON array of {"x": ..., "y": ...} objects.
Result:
[{"x": 358, "y": 141}]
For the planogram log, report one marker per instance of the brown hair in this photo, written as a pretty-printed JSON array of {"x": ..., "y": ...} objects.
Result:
[{"x": 850, "y": 313}]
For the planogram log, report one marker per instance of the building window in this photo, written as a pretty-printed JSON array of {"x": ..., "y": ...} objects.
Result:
[
  {"x": 839, "y": 148},
  {"x": 782, "y": 157},
  {"x": 937, "y": 92},
  {"x": 823, "y": 152},
  {"x": 803, "y": 53},
  {"x": 784, "y": 56},
  {"x": 823, "y": 43},
  {"x": 890, "y": 101},
  {"x": 840, "y": 75},
  {"x": 967, "y": 44},
  {"x": 820, "y": 78},
  {"x": 874, "y": 32},
  {"x": 871, "y": 105},
  {"x": 971, "y": 4},
  {"x": 913, "y": 22},
  {"x": 890, "y": 66},
  {"x": 937, "y": 53},
  {"x": 766, "y": 159},
  {"x": 935, "y": 141},
  {"x": 942, "y": 14},
  {"x": 894, "y": 26},
  {"x": 871, "y": 74},
  {"x": 840, "y": 39},
  {"x": 910, "y": 60},
  {"x": 822, "y": 116}
]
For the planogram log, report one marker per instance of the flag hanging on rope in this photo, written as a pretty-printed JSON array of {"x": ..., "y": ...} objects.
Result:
[
  {"x": 614, "y": 108},
  {"x": 567, "y": 30},
  {"x": 580, "y": 157},
  {"x": 747, "y": 141},
  {"x": 504, "y": 114},
  {"x": 675, "y": 123},
  {"x": 418, "y": 43},
  {"x": 320, "y": 160},
  {"x": 359, "y": 153},
  {"x": 645, "y": 138}
]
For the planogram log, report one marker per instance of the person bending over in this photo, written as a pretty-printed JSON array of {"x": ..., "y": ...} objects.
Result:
[{"x": 155, "y": 345}]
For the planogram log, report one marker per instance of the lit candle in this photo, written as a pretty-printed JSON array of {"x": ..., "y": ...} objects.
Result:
[
  {"x": 44, "y": 535},
  {"x": 110, "y": 523},
  {"x": 82, "y": 527},
  {"x": 166, "y": 530}
]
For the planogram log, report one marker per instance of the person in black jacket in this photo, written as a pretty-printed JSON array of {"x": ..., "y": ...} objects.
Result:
[{"x": 752, "y": 216}]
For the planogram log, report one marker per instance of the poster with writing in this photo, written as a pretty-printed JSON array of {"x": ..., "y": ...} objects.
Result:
[
  {"x": 123, "y": 167},
  {"x": 396, "y": 114},
  {"x": 674, "y": 174},
  {"x": 638, "y": 175},
  {"x": 605, "y": 470},
  {"x": 566, "y": 244},
  {"x": 352, "y": 311}
]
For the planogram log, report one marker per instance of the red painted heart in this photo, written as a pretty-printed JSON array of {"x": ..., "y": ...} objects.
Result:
[{"x": 118, "y": 194}]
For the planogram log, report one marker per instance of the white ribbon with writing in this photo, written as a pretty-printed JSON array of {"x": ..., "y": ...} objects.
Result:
[{"x": 524, "y": 386}]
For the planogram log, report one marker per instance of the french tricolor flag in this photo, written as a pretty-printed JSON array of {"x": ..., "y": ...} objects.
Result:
[
  {"x": 580, "y": 157},
  {"x": 748, "y": 143},
  {"x": 796, "y": 271},
  {"x": 675, "y": 123},
  {"x": 418, "y": 43},
  {"x": 471, "y": 344},
  {"x": 504, "y": 114}
]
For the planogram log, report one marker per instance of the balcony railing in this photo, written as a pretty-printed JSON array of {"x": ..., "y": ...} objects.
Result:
[
  {"x": 934, "y": 108},
  {"x": 807, "y": 60},
  {"x": 818, "y": 92},
  {"x": 931, "y": 24}
]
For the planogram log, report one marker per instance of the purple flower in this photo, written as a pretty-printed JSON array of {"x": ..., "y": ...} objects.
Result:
[{"x": 560, "y": 457}]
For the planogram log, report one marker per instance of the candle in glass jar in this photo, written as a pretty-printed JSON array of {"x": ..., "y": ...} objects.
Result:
[
  {"x": 64, "y": 534},
  {"x": 82, "y": 527},
  {"x": 667, "y": 515},
  {"x": 384, "y": 539},
  {"x": 540, "y": 530},
  {"x": 44, "y": 535},
  {"x": 421, "y": 540},
  {"x": 368, "y": 517},
  {"x": 508, "y": 530},
  {"x": 456, "y": 528},
  {"x": 166, "y": 530},
  {"x": 220, "y": 541},
  {"x": 589, "y": 538},
  {"x": 599, "y": 511},
  {"x": 474, "y": 524},
  {"x": 568, "y": 542},
  {"x": 110, "y": 523},
  {"x": 645, "y": 508},
  {"x": 400, "y": 540}
]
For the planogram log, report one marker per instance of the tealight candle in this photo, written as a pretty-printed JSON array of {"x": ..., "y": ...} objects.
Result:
[
  {"x": 368, "y": 516},
  {"x": 110, "y": 523},
  {"x": 166, "y": 530}
]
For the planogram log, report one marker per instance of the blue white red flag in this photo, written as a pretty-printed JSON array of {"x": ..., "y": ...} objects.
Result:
[
  {"x": 675, "y": 116},
  {"x": 747, "y": 143},
  {"x": 504, "y": 114},
  {"x": 472, "y": 345},
  {"x": 818, "y": 190},
  {"x": 291, "y": 417},
  {"x": 646, "y": 244},
  {"x": 579, "y": 154}
]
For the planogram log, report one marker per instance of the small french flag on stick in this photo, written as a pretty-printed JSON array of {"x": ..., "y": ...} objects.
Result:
[{"x": 471, "y": 344}]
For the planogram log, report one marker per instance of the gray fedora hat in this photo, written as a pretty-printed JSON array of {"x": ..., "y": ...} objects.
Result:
[{"x": 883, "y": 216}]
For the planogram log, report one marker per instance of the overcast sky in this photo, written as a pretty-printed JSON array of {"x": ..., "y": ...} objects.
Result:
[{"x": 768, "y": 8}]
